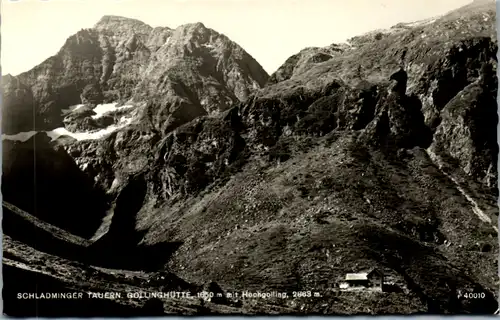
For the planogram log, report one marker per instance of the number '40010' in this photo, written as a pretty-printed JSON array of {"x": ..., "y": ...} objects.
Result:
[{"x": 474, "y": 295}]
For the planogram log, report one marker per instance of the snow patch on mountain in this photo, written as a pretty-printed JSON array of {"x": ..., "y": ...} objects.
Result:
[
  {"x": 102, "y": 109},
  {"x": 73, "y": 108},
  {"x": 80, "y": 136},
  {"x": 421, "y": 23},
  {"x": 86, "y": 135},
  {"x": 21, "y": 136}
]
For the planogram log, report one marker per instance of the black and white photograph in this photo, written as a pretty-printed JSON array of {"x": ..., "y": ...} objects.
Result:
[{"x": 249, "y": 157}]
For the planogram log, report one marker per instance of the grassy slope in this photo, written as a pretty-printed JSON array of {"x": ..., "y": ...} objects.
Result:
[{"x": 303, "y": 224}]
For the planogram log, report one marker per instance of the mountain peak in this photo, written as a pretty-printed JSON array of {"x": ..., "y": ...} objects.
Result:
[
  {"x": 193, "y": 27},
  {"x": 195, "y": 32},
  {"x": 113, "y": 19},
  {"x": 111, "y": 22}
]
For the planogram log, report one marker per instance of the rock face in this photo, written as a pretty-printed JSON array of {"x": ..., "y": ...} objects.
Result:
[
  {"x": 305, "y": 59},
  {"x": 398, "y": 120},
  {"x": 467, "y": 131},
  {"x": 182, "y": 73},
  {"x": 442, "y": 58},
  {"x": 381, "y": 152}
]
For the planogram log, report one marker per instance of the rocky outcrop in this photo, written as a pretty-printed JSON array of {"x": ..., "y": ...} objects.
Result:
[
  {"x": 399, "y": 122},
  {"x": 449, "y": 75},
  {"x": 92, "y": 94},
  {"x": 305, "y": 59},
  {"x": 197, "y": 154},
  {"x": 466, "y": 136}
]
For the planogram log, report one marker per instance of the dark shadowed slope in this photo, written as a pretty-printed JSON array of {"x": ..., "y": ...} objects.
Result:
[{"x": 47, "y": 183}]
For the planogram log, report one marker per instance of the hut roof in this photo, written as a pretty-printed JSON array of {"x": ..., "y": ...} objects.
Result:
[
  {"x": 356, "y": 276},
  {"x": 364, "y": 275}
]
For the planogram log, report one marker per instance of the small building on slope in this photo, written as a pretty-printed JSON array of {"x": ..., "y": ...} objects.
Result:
[{"x": 372, "y": 278}]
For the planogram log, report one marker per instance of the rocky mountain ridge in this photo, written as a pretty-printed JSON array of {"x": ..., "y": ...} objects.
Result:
[
  {"x": 442, "y": 57},
  {"x": 183, "y": 73}
]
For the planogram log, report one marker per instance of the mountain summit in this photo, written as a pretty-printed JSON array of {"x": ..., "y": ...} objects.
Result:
[
  {"x": 117, "y": 23},
  {"x": 181, "y": 73}
]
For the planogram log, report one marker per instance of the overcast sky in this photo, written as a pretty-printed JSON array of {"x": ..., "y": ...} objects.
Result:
[{"x": 270, "y": 30}]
